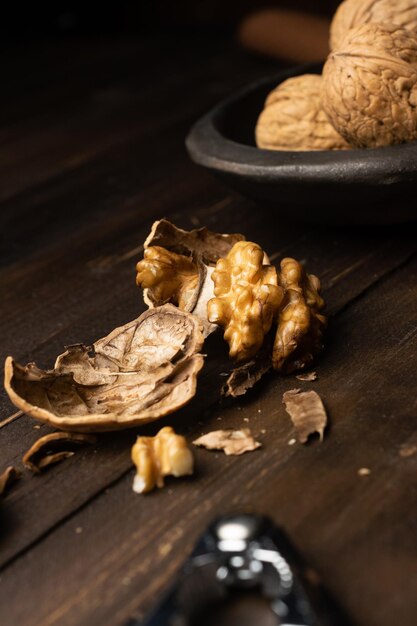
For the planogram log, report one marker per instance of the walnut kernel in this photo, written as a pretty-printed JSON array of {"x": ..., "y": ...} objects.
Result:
[
  {"x": 156, "y": 457},
  {"x": 300, "y": 325},
  {"x": 247, "y": 298},
  {"x": 167, "y": 276}
]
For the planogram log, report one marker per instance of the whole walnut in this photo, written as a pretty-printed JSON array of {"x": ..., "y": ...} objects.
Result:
[
  {"x": 293, "y": 118},
  {"x": 390, "y": 38},
  {"x": 352, "y": 13},
  {"x": 370, "y": 88}
]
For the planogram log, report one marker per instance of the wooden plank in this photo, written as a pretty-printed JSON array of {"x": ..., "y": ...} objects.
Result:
[
  {"x": 63, "y": 319},
  {"x": 118, "y": 553},
  {"x": 104, "y": 108}
]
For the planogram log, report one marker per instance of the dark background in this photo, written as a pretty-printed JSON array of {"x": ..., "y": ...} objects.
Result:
[{"x": 80, "y": 19}]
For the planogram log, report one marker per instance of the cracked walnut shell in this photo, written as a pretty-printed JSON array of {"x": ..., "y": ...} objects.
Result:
[
  {"x": 351, "y": 13},
  {"x": 293, "y": 118},
  {"x": 300, "y": 325},
  {"x": 370, "y": 92},
  {"x": 156, "y": 457},
  {"x": 140, "y": 372},
  {"x": 247, "y": 299}
]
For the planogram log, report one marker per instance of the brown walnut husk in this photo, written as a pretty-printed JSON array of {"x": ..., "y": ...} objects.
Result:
[
  {"x": 352, "y": 13},
  {"x": 293, "y": 118},
  {"x": 137, "y": 374},
  {"x": 369, "y": 90}
]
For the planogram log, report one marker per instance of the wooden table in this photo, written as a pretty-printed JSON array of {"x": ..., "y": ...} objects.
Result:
[{"x": 92, "y": 152}]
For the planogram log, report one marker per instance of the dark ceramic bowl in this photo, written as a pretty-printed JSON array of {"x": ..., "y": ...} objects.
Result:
[{"x": 374, "y": 185}]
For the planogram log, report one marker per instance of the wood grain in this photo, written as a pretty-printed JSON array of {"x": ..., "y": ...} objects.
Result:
[{"x": 78, "y": 547}]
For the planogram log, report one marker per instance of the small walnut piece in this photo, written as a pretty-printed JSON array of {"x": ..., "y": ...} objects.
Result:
[
  {"x": 247, "y": 298},
  {"x": 293, "y": 118},
  {"x": 369, "y": 90},
  {"x": 232, "y": 442},
  {"x": 300, "y": 325},
  {"x": 351, "y": 13},
  {"x": 156, "y": 457},
  {"x": 168, "y": 277},
  {"x": 53, "y": 448},
  {"x": 307, "y": 413},
  {"x": 7, "y": 478}
]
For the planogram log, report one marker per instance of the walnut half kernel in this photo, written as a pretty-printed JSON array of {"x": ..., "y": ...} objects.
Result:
[
  {"x": 300, "y": 325},
  {"x": 167, "y": 276},
  {"x": 247, "y": 299},
  {"x": 156, "y": 457}
]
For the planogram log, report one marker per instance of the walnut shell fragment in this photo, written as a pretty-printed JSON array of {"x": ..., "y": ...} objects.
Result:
[
  {"x": 245, "y": 376},
  {"x": 300, "y": 325},
  {"x": 137, "y": 374},
  {"x": 177, "y": 267},
  {"x": 352, "y": 13},
  {"x": 247, "y": 299},
  {"x": 7, "y": 478},
  {"x": 293, "y": 118},
  {"x": 307, "y": 413},
  {"x": 232, "y": 442},
  {"x": 53, "y": 448},
  {"x": 369, "y": 90},
  {"x": 307, "y": 377},
  {"x": 156, "y": 457}
]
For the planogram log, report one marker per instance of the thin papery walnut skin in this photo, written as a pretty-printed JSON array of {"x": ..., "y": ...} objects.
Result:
[
  {"x": 351, "y": 13},
  {"x": 370, "y": 87},
  {"x": 156, "y": 457},
  {"x": 247, "y": 299},
  {"x": 168, "y": 277},
  {"x": 300, "y": 325}
]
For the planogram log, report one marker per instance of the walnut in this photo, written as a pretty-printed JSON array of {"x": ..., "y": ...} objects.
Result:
[
  {"x": 369, "y": 90},
  {"x": 293, "y": 118},
  {"x": 247, "y": 298},
  {"x": 156, "y": 457},
  {"x": 351, "y": 13},
  {"x": 300, "y": 325},
  {"x": 168, "y": 277},
  {"x": 392, "y": 39}
]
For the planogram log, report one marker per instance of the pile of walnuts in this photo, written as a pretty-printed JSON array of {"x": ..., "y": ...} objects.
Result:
[{"x": 367, "y": 94}]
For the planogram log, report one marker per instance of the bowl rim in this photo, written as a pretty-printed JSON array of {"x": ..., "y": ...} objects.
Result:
[{"x": 209, "y": 147}]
